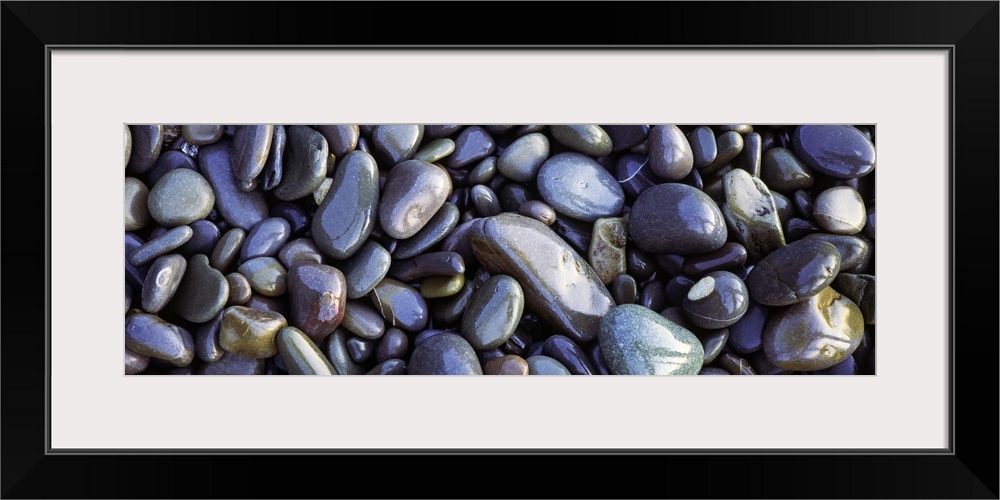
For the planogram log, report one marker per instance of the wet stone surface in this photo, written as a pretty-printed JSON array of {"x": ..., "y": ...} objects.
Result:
[{"x": 499, "y": 249}]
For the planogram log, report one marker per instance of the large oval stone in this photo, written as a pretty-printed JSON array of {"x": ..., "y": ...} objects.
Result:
[
  {"x": 401, "y": 305},
  {"x": 180, "y": 197},
  {"x": 839, "y": 151},
  {"x": 317, "y": 297},
  {"x": 676, "y": 219},
  {"x": 162, "y": 281},
  {"x": 577, "y": 186},
  {"x": 413, "y": 193},
  {"x": 670, "y": 154},
  {"x": 251, "y": 144},
  {"x": 493, "y": 312},
  {"x": 522, "y": 159},
  {"x": 635, "y": 340},
  {"x": 240, "y": 209},
  {"x": 250, "y": 332},
  {"x": 266, "y": 239},
  {"x": 793, "y": 273},
  {"x": 814, "y": 334},
  {"x": 444, "y": 354},
  {"x": 588, "y": 139},
  {"x": 558, "y": 283},
  {"x": 347, "y": 215},
  {"x": 150, "y": 336},
  {"x": 144, "y": 147},
  {"x": 397, "y": 142}
]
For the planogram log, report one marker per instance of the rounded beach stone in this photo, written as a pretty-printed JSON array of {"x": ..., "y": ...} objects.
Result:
[
  {"x": 793, "y": 273},
  {"x": 493, "y": 313},
  {"x": 444, "y": 354},
  {"x": 670, "y": 154},
  {"x": 522, "y": 159},
  {"x": 162, "y": 282},
  {"x": 840, "y": 151},
  {"x": 250, "y": 332},
  {"x": 136, "y": 208},
  {"x": 577, "y": 186},
  {"x": 590, "y": 140},
  {"x": 637, "y": 341},
  {"x": 840, "y": 210},
  {"x": 717, "y": 300},
  {"x": 202, "y": 293},
  {"x": 814, "y": 334},
  {"x": 414, "y": 191},
  {"x": 150, "y": 336},
  {"x": 346, "y": 217},
  {"x": 676, "y": 219},
  {"x": 300, "y": 353}
]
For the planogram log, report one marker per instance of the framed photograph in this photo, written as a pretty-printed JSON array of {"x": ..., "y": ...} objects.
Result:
[{"x": 921, "y": 76}]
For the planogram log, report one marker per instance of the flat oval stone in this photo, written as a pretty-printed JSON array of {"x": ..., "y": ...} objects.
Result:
[
  {"x": 484, "y": 172},
  {"x": 234, "y": 364},
  {"x": 751, "y": 214},
  {"x": 200, "y": 135},
  {"x": 160, "y": 245},
  {"x": 853, "y": 250},
  {"x": 342, "y": 139},
  {"x": 435, "y": 287},
  {"x": 180, "y": 197},
  {"x": 240, "y": 209},
  {"x": 793, "y": 273},
  {"x": 203, "y": 291},
  {"x": 432, "y": 233},
  {"x": 636, "y": 341},
  {"x": 414, "y": 191},
  {"x": 670, "y": 154},
  {"x": 493, "y": 313},
  {"x": 401, "y": 305},
  {"x": 150, "y": 336},
  {"x": 717, "y": 300},
  {"x": 562, "y": 349},
  {"x": 162, "y": 281},
  {"x": 509, "y": 364},
  {"x": 266, "y": 276},
  {"x": 728, "y": 146},
  {"x": 250, "y": 332},
  {"x": 624, "y": 289},
  {"x": 304, "y": 165},
  {"x": 444, "y": 354},
  {"x": 607, "y": 248},
  {"x": 362, "y": 320},
  {"x": 435, "y": 150},
  {"x": 676, "y": 219},
  {"x": 730, "y": 257},
  {"x": 136, "y": 208},
  {"x": 337, "y": 353},
  {"x": 366, "y": 269},
  {"x": 251, "y": 144},
  {"x": 169, "y": 161},
  {"x": 228, "y": 249},
  {"x": 393, "y": 344},
  {"x": 781, "y": 170},
  {"x": 347, "y": 215},
  {"x": 587, "y": 139},
  {"x": 299, "y": 251},
  {"x": 524, "y": 157},
  {"x": 145, "y": 144},
  {"x": 840, "y": 210},
  {"x": 703, "y": 146},
  {"x": 205, "y": 235},
  {"x": 206, "y": 340},
  {"x": 558, "y": 284},
  {"x": 544, "y": 365},
  {"x": 577, "y": 186},
  {"x": 814, "y": 334},
  {"x": 472, "y": 145},
  {"x": 839, "y": 151},
  {"x": 274, "y": 166},
  {"x": 300, "y": 354},
  {"x": 316, "y": 299},
  {"x": 135, "y": 363},
  {"x": 239, "y": 289},
  {"x": 485, "y": 200},
  {"x": 397, "y": 142},
  {"x": 266, "y": 239},
  {"x": 747, "y": 334},
  {"x": 428, "y": 264}
]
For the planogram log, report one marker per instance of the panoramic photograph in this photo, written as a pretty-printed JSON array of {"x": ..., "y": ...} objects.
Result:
[{"x": 559, "y": 249}]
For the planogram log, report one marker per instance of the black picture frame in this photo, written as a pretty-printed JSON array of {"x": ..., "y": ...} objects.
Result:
[{"x": 969, "y": 470}]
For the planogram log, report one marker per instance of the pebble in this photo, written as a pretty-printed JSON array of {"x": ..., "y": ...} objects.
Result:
[
  {"x": 168, "y": 162},
  {"x": 428, "y": 264},
  {"x": 735, "y": 365},
  {"x": 239, "y": 289},
  {"x": 401, "y": 305},
  {"x": 730, "y": 257},
  {"x": 414, "y": 191},
  {"x": 577, "y": 186},
  {"x": 205, "y": 235},
  {"x": 339, "y": 356},
  {"x": 485, "y": 201},
  {"x": 634, "y": 174},
  {"x": 607, "y": 248},
  {"x": 590, "y": 140},
  {"x": 853, "y": 250},
  {"x": 751, "y": 215},
  {"x": 793, "y": 273},
  {"x": 636, "y": 341},
  {"x": 342, "y": 139},
  {"x": 366, "y": 269},
  {"x": 750, "y": 156},
  {"x": 227, "y": 249},
  {"x": 728, "y": 146},
  {"x": 136, "y": 209},
  {"x": 814, "y": 334},
  {"x": 266, "y": 276},
  {"x": 493, "y": 312},
  {"x": 203, "y": 291},
  {"x": 717, "y": 300},
  {"x": 362, "y": 320},
  {"x": 128, "y": 153},
  {"x": 624, "y": 289},
  {"x": 703, "y": 146},
  {"x": 134, "y": 362},
  {"x": 300, "y": 354},
  {"x": 160, "y": 245},
  {"x": 509, "y": 364},
  {"x": 162, "y": 281},
  {"x": 840, "y": 210},
  {"x": 558, "y": 284},
  {"x": 713, "y": 341},
  {"x": 200, "y": 135},
  {"x": 839, "y": 151},
  {"x": 472, "y": 145},
  {"x": 144, "y": 147},
  {"x": 274, "y": 166},
  {"x": 389, "y": 367},
  {"x": 670, "y": 154},
  {"x": 346, "y": 217},
  {"x": 626, "y": 136},
  {"x": 393, "y": 344},
  {"x": 544, "y": 365},
  {"x": 251, "y": 144},
  {"x": 250, "y": 332},
  {"x": 562, "y": 349},
  {"x": 539, "y": 211},
  {"x": 304, "y": 165},
  {"x": 240, "y": 209},
  {"x": 747, "y": 334},
  {"x": 266, "y": 239},
  {"x": 524, "y": 157},
  {"x": 435, "y": 150},
  {"x": 435, "y": 287},
  {"x": 298, "y": 251},
  {"x": 444, "y": 354},
  {"x": 397, "y": 143},
  {"x": 148, "y": 335},
  {"x": 676, "y": 219},
  {"x": 432, "y": 233},
  {"x": 781, "y": 170},
  {"x": 860, "y": 288},
  {"x": 234, "y": 364},
  {"x": 316, "y": 299}
]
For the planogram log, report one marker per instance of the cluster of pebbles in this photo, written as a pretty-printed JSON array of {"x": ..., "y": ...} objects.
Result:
[{"x": 499, "y": 249}]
